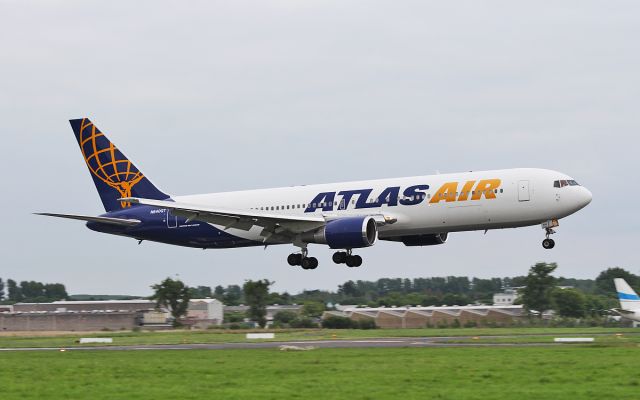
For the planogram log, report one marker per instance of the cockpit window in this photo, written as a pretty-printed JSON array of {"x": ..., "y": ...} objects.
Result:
[{"x": 565, "y": 182}]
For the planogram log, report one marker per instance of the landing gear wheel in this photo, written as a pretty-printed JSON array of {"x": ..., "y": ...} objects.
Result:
[
  {"x": 354, "y": 261},
  {"x": 358, "y": 261},
  {"x": 339, "y": 257},
  {"x": 294, "y": 259},
  {"x": 309, "y": 263},
  {"x": 548, "y": 244}
]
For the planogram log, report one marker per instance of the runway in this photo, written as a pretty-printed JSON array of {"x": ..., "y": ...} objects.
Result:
[{"x": 410, "y": 342}]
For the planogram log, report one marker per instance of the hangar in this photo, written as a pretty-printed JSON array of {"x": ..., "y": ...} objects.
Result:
[{"x": 422, "y": 317}]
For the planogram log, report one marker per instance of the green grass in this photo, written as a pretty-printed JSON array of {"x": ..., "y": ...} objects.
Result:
[
  {"x": 222, "y": 336},
  {"x": 567, "y": 372}
]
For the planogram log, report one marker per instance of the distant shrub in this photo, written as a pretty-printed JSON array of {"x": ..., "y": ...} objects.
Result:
[
  {"x": 303, "y": 323},
  {"x": 336, "y": 322},
  {"x": 240, "y": 326},
  {"x": 284, "y": 317},
  {"x": 366, "y": 324}
]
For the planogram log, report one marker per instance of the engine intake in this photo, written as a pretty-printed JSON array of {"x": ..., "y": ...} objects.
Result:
[{"x": 345, "y": 233}]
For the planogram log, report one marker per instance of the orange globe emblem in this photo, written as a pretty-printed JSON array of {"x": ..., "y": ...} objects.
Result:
[{"x": 106, "y": 162}]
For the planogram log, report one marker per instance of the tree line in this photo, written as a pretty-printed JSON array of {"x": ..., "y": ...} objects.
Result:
[
  {"x": 433, "y": 291},
  {"x": 31, "y": 292}
]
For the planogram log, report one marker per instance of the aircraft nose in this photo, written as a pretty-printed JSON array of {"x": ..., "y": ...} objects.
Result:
[{"x": 585, "y": 197}]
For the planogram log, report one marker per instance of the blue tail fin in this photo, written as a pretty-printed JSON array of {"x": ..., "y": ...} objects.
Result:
[{"x": 113, "y": 174}]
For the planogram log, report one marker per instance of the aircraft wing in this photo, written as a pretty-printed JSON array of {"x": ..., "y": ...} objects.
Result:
[
  {"x": 102, "y": 220},
  {"x": 274, "y": 225}
]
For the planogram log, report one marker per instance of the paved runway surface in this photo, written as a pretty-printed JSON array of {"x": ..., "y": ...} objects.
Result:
[{"x": 307, "y": 344}]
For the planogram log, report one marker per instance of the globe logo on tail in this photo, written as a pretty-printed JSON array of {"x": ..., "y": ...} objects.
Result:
[{"x": 106, "y": 162}]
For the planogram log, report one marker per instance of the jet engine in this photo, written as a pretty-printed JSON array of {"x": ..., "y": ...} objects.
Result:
[{"x": 345, "y": 233}]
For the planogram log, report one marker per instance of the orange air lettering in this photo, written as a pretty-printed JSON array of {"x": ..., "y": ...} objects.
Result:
[
  {"x": 446, "y": 192},
  {"x": 466, "y": 190},
  {"x": 486, "y": 187}
]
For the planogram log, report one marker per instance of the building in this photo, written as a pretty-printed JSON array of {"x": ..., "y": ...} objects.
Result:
[
  {"x": 423, "y": 317},
  {"x": 205, "y": 311},
  {"x": 70, "y": 321},
  {"x": 86, "y": 306},
  {"x": 506, "y": 298},
  {"x": 83, "y": 316}
]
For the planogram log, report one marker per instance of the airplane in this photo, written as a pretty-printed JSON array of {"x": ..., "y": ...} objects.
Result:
[
  {"x": 415, "y": 211},
  {"x": 629, "y": 301}
]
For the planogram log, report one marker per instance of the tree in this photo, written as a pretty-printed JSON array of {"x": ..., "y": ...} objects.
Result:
[
  {"x": 32, "y": 291},
  {"x": 232, "y": 295},
  {"x": 569, "y": 302},
  {"x": 218, "y": 293},
  {"x": 173, "y": 295},
  {"x": 1, "y": 290},
  {"x": 14, "y": 292},
  {"x": 312, "y": 309},
  {"x": 55, "y": 291},
  {"x": 256, "y": 294},
  {"x": 538, "y": 286},
  {"x": 604, "y": 281},
  {"x": 201, "y": 292},
  {"x": 285, "y": 316}
]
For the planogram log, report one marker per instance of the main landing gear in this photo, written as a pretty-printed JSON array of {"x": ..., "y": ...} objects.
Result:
[
  {"x": 302, "y": 260},
  {"x": 345, "y": 257},
  {"x": 548, "y": 227},
  {"x": 340, "y": 257}
]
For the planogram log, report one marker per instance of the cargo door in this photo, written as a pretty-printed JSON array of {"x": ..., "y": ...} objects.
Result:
[{"x": 523, "y": 191}]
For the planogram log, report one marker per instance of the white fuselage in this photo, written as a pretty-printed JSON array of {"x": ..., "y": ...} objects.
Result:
[{"x": 452, "y": 202}]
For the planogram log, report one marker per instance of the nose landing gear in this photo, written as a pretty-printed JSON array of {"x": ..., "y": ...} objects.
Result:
[
  {"x": 548, "y": 227},
  {"x": 345, "y": 257}
]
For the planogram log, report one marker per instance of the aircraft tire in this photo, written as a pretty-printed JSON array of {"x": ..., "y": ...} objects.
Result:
[
  {"x": 548, "y": 244},
  {"x": 309, "y": 263},
  {"x": 357, "y": 261},
  {"x": 339, "y": 257},
  {"x": 294, "y": 259}
]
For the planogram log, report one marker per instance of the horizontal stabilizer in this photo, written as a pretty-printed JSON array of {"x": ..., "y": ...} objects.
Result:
[{"x": 101, "y": 220}]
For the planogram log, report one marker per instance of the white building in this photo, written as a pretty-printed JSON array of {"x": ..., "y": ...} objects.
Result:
[
  {"x": 506, "y": 298},
  {"x": 206, "y": 309}
]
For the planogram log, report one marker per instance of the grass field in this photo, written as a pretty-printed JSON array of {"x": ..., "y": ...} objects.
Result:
[
  {"x": 567, "y": 372},
  {"x": 220, "y": 336}
]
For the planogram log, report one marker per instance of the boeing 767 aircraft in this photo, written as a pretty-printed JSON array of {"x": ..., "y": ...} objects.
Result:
[{"x": 415, "y": 211}]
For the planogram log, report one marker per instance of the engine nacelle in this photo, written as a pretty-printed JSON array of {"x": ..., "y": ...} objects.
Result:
[
  {"x": 345, "y": 233},
  {"x": 424, "y": 240}
]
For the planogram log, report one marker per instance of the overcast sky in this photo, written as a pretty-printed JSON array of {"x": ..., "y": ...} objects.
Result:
[{"x": 228, "y": 95}]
